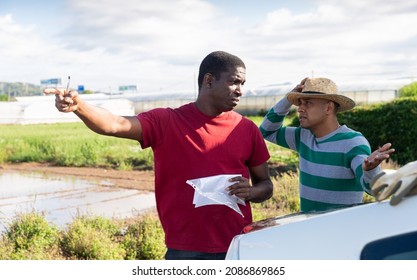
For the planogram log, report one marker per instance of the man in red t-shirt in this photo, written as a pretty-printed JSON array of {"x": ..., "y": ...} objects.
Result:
[{"x": 197, "y": 140}]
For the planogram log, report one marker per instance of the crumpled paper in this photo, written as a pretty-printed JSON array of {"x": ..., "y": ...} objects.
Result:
[
  {"x": 212, "y": 190},
  {"x": 396, "y": 183}
]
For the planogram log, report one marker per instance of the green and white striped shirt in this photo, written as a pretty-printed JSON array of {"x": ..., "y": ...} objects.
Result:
[{"x": 331, "y": 171}]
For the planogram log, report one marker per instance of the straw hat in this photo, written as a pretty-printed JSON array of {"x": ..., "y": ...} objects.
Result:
[{"x": 322, "y": 88}]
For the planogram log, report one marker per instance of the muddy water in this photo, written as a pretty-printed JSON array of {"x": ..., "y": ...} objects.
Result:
[{"x": 61, "y": 198}]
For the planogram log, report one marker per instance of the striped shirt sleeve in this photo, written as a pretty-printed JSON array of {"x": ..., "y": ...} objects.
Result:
[{"x": 272, "y": 128}]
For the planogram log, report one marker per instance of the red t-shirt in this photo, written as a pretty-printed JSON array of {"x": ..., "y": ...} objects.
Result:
[{"x": 188, "y": 145}]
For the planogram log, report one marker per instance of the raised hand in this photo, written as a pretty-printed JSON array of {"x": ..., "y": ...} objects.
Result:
[
  {"x": 65, "y": 100},
  {"x": 377, "y": 157}
]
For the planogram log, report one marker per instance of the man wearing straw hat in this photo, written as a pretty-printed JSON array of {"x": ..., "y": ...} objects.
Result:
[{"x": 336, "y": 163}]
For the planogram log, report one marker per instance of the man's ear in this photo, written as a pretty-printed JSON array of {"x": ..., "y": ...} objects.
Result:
[
  {"x": 332, "y": 107},
  {"x": 208, "y": 79}
]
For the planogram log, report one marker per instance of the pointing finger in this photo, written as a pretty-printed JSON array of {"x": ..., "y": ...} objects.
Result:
[{"x": 53, "y": 91}]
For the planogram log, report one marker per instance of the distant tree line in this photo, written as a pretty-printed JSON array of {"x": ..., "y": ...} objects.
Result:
[{"x": 9, "y": 91}]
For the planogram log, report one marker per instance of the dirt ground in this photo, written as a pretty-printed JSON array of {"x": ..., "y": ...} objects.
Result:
[{"x": 141, "y": 180}]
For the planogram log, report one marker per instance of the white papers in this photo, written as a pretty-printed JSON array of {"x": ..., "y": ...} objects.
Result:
[{"x": 212, "y": 190}]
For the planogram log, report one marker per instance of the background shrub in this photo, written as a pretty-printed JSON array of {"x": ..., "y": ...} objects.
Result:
[
  {"x": 394, "y": 122},
  {"x": 92, "y": 238},
  {"x": 408, "y": 90},
  {"x": 30, "y": 236},
  {"x": 145, "y": 240}
]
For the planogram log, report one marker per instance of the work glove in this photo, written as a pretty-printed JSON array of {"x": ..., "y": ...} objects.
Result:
[{"x": 398, "y": 183}]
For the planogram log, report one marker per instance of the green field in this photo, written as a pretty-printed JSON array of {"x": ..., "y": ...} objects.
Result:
[
  {"x": 73, "y": 144},
  {"x": 70, "y": 144}
]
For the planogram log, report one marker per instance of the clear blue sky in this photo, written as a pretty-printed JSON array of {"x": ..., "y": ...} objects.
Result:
[{"x": 158, "y": 44}]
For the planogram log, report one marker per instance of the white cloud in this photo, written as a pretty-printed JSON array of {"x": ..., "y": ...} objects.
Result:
[
  {"x": 22, "y": 51},
  {"x": 15, "y": 38},
  {"x": 152, "y": 28},
  {"x": 354, "y": 40},
  {"x": 158, "y": 44}
]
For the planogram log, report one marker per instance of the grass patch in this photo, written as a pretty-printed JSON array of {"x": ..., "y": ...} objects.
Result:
[
  {"x": 285, "y": 198},
  {"x": 71, "y": 144}
]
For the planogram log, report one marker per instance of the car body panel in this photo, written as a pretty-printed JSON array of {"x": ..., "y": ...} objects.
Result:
[{"x": 338, "y": 235}]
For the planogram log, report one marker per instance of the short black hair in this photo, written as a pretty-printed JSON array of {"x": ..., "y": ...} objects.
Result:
[{"x": 216, "y": 63}]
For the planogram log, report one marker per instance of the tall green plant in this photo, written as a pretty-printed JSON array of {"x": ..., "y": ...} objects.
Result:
[
  {"x": 394, "y": 122},
  {"x": 30, "y": 236},
  {"x": 92, "y": 238},
  {"x": 408, "y": 90},
  {"x": 4, "y": 97},
  {"x": 145, "y": 240}
]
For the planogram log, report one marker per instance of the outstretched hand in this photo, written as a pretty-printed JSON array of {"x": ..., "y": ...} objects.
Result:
[
  {"x": 65, "y": 100},
  {"x": 377, "y": 157}
]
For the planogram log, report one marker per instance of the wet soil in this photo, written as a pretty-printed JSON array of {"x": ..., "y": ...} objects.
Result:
[{"x": 129, "y": 179}]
